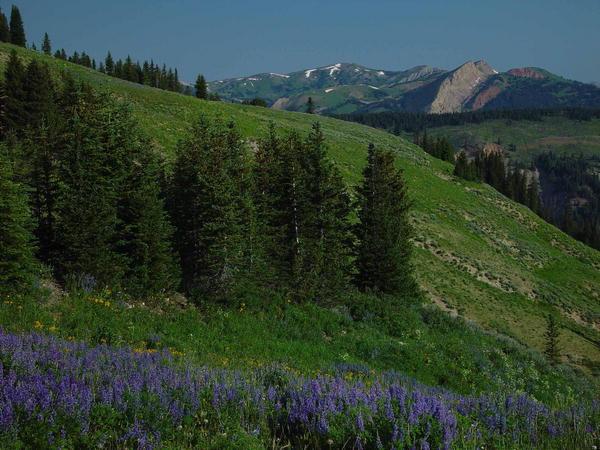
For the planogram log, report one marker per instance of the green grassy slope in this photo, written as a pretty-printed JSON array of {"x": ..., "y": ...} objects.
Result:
[{"x": 477, "y": 253}]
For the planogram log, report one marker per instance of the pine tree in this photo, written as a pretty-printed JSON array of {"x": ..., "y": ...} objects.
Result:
[
  {"x": 38, "y": 91},
  {"x": 17, "y": 32},
  {"x": 17, "y": 265},
  {"x": 14, "y": 75},
  {"x": 201, "y": 88},
  {"x": 533, "y": 195},
  {"x": 310, "y": 106},
  {"x": 461, "y": 167},
  {"x": 145, "y": 234},
  {"x": 551, "y": 335},
  {"x": 46, "y": 46},
  {"x": 4, "y": 29},
  {"x": 91, "y": 177},
  {"x": 383, "y": 231},
  {"x": 208, "y": 203},
  {"x": 109, "y": 64},
  {"x": 323, "y": 206}
]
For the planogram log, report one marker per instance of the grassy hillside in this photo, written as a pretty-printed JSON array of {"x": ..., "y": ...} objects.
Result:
[{"x": 478, "y": 254}]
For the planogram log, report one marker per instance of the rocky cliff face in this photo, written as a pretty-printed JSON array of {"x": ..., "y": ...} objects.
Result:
[{"x": 459, "y": 86}]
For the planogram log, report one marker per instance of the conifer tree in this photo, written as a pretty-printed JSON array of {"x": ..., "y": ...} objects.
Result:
[
  {"x": 109, "y": 65},
  {"x": 461, "y": 167},
  {"x": 17, "y": 265},
  {"x": 208, "y": 206},
  {"x": 90, "y": 177},
  {"x": 201, "y": 87},
  {"x": 14, "y": 75},
  {"x": 551, "y": 335},
  {"x": 145, "y": 235},
  {"x": 17, "y": 32},
  {"x": 4, "y": 29},
  {"x": 38, "y": 91},
  {"x": 310, "y": 106},
  {"x": 41, "y": 149},
  {"x": 533, "y": 195},
  {"x": 46, "y": 46},
  {"x": 383, "y": 231},
  {"x": 324, "y": 206}
]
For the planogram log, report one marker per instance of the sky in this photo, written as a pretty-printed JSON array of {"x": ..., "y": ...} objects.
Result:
[{"x": 231, "y": 38}]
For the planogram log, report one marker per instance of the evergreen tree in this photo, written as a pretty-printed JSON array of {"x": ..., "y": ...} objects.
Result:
[
  {"x": 17, "y": 32},
  {"x": 201, "y": 88},
  {"x": 533, "y": 195},
  {"x": 91, "y": 177},
  {"x": 208, "y": 202},
  {"x": 303, "y": 205},
  {"x": 552, "y": 334},
  {"x": 310, "y": 106},
  {"x": 383, "y": 231},
  {"x": 17, "y": 265},
  {"x": 322, "y": 269},
  {"x": 14, "y": 75},
  {"x": 109, "y": 64},
  {"x": 145, "y": 232},
  {"x": 46, "y": 46},
  {"x": 4, "y": 29},
  {"x": 38, "y": 91},
  {"x": 462, "y": 166}
]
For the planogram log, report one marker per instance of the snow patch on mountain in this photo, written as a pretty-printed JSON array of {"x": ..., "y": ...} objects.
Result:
[
  {"x": 308, "y": 72},
  {"x": 333, "y": 69}
]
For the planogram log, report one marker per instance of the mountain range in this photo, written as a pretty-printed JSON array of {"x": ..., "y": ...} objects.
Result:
[{"x": 346, "y": 88}]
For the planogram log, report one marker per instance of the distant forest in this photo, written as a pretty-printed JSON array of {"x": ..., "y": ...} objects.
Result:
[
  {"x": 567, "y": 193},
  {"x": 397, "y": 122}
]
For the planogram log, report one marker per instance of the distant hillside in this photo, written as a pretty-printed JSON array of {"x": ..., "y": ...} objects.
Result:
[
  {"x": 477, "y": 254},
  {"x": 346, "y": 88}
]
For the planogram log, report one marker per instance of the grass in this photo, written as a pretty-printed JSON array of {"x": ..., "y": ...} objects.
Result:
[{"x": 477, "y": 253}]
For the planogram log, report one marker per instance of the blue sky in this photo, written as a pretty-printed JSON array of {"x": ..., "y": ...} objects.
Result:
[{"x": 229, "y": 38}]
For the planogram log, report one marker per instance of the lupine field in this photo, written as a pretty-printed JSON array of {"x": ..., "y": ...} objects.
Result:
[{"x": 65, "y": 394}]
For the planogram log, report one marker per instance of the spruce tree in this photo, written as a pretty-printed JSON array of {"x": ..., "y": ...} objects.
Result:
[
  {"x": 145, "y": 234},
  {"x": 201, "y": 88},
  {"x": 17, "y": 32},
  {"x": 461, "y": 167},
  {"x": 310, "y": 106},
  {"x": 323, "y": 206},
  {"x": 208, "y": 203},
  {"x": 4, "y": 29},
  {"x": 383, "y": 232},
  {"x": 46, "y": 46},
  {"x": 91, "y": 178},
  {"x": 533, "y": 195},
  {"x": 551, "y": 335},
  {"x": 14, "y": 75},
  {"x": 17, "y": 265},
  {"x": 41, "y": 147},
  {"x": 109, "y": 64},
  {"x": 39, "y": 93}
]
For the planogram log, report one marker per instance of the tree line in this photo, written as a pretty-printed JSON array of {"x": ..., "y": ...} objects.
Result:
[
  {"x": 571, "y": 192},
  {"x": 411, "y": 122},
  {"x": 147, "y": 73},
  {"x": 86, "y": 194}
]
